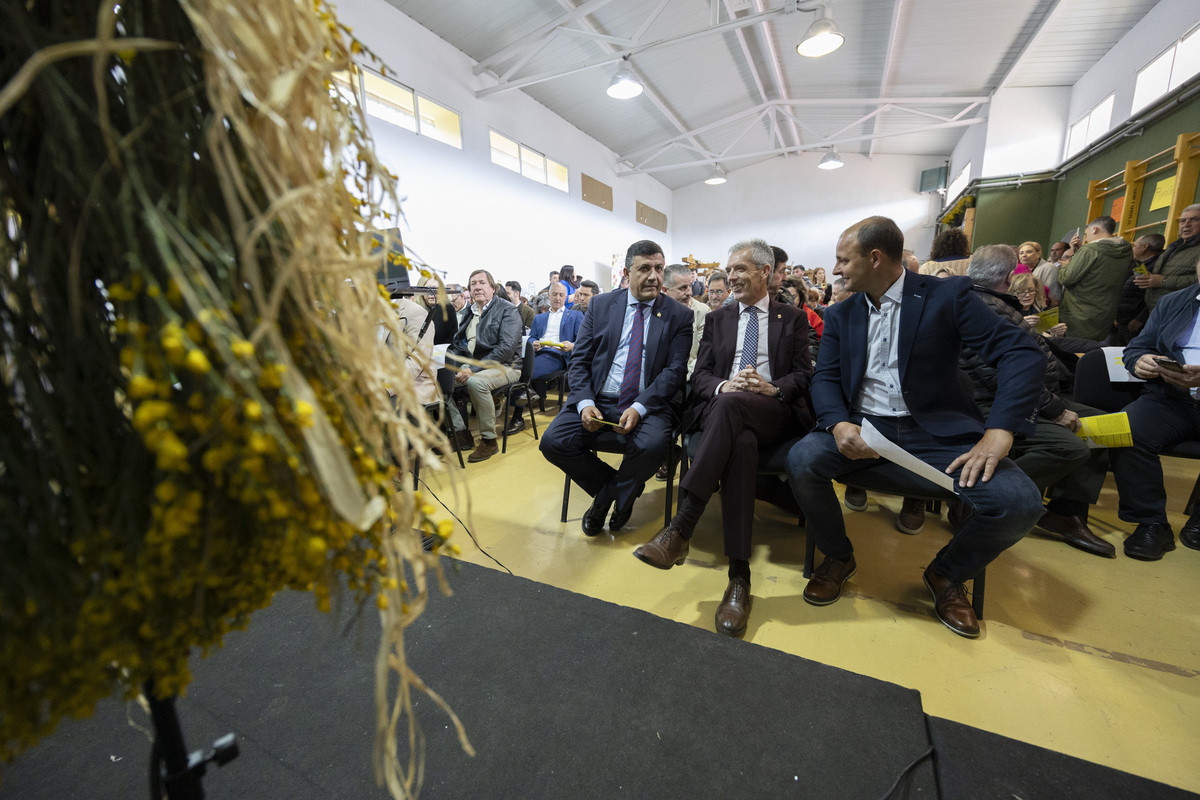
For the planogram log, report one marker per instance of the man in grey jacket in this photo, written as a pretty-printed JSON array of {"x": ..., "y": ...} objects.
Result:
[{"x": 490, "y": 331}]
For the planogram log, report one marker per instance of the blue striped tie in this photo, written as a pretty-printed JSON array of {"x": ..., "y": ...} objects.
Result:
[
  {"x": 750, "y": 341},
  {"x": 631, "y": 381}
]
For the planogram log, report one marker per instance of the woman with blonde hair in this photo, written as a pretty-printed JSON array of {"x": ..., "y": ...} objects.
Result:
[
  {"x": 1032, "y": 296},
  {"x": 1030, "y": 256}
]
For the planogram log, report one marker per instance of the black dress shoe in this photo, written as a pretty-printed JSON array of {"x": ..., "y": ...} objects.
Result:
[
  {"x": 516, "y": 426},
  {"x": 1149, "y": 541},
  {"x": 621, "y": 515},
  {"x": 593, "y": 518},
  {"x": 856, "y": 498},
  {"x": 1189, "y": 534},
  {"x": 734, "y": 611}
]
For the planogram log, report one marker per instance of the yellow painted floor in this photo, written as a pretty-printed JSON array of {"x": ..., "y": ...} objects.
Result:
[{"x": 1087, "y": 656}]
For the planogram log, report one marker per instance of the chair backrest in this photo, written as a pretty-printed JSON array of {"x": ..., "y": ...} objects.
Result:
[
  {"x": 527, "y": 362},
  {"x": 445, "y": 381},
  {"x": 1093, "y": 388}
]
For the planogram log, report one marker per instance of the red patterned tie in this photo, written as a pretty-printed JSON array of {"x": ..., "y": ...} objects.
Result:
[{"x": 631, "y": 382}]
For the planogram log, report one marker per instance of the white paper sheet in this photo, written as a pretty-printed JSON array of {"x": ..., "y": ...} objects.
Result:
[
  {"x": 898, "y": 455},
  {"x": 1116, "y": 366},
  {"x": 439, "y": 355}
]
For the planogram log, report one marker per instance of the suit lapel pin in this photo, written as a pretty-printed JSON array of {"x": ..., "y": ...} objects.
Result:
[
  {"x": 779, "y": 316},
  {"x": 658, "y": 314}
]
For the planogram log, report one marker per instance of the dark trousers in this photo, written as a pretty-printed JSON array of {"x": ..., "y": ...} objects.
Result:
[
  {"x": 566, "y": 445},
  {"x": 1004, "y": 508},
  {"x": 731, "y": 429},
  {"x": 1062, "y": 465},
  {"x": 548, "y": 360},
  {"x": 1156, "y": 421}
]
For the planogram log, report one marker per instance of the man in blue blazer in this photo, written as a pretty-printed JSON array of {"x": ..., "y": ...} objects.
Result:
[
  {"x": 889, "y": 355},
  {"x": 628, "y": 363},
  {"x": 559, "y": 324},
  {"x": 1168, "y": 412}
]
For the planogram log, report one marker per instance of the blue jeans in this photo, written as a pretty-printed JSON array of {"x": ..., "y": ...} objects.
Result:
[{"x": 1003, "y": 509}]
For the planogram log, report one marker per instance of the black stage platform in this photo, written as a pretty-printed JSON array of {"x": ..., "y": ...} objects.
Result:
[{"x": 563, "y": 696}]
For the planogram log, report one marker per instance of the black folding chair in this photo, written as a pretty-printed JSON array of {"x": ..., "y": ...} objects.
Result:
[{"x": 511, "y": 391}]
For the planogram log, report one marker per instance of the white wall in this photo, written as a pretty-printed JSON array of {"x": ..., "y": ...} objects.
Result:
[
  {"x": 1026, "y": 130},
  {"x": 463, "y": 212},
  {"x": 1117, "y": 69},
  {"x": 802, "y": 209}
]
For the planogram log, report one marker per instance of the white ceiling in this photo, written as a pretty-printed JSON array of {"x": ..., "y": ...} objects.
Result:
[{"x": 724, "y": 85}]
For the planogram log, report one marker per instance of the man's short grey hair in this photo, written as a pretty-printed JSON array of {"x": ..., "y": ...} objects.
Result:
[
  {"x": 761, "y": 254},
  {"x": 1192, "y": 207},
  {"x": 991, "y": 265},
  {"x": 675, "y": 273}
]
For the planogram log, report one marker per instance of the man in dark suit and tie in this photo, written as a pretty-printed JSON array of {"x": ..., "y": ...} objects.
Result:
[
  {"x": 751, "y": 380},
  {"x": 889, "y": 356},
  {"x": 629, "y": 362}
]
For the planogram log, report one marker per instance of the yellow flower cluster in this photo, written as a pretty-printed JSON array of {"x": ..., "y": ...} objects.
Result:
[{"x": 236, "y": 515}]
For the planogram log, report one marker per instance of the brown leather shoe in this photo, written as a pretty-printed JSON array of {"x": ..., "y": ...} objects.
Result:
[
  {"x": 911, "y": 518},
  {"x": 825, "y": 585},
  {"x": 1076, "y": 533},
  {"x": 951, "y": 604},
  {"x": 486, "y": 449},
  {"x": 667, "y": 549},
  {"x": 734, "y": 611},
  {"x": 661, "y": 475}
]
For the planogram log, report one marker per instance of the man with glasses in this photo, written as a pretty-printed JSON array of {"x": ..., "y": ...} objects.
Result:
[{"x": 718, "y": 289}]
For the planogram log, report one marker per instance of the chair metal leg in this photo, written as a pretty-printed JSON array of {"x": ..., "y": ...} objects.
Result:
[
  {"x": 810, "y": 553},
  {"x": 1193, "y": 503},
  {"x": 566, "y": 497},
  {"x": 977, "y": 591},
  {"x": 670, "y": 481},
  {"x": 532, "y": 417}
]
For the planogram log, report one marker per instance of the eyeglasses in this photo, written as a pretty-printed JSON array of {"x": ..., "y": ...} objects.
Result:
[{"x": 1024, "y": 292}]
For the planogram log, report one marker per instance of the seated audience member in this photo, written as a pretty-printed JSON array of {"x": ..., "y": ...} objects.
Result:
[
  {"x": 796, "y": 290},
  {"x": 950, "y": 251},
  {"x": 541, "y": 303},
  {"x": 490, "y": 331},
  {"x": 780, "y": 272},
  {"x": 1030, "y": 254},
  {"x": 461, "y": 301},
  {"x": 416, "y": 324},
  {"x": 629, "y": 362},
  {"x": 718, "y": 289},
  {"x": 943, "y": 272},
  {"x": 1031, "y": 295},
  {"x": 1092, "y": 281},
  {"x": 839, "y": 291},
  {"x": 798, "y": 272},
  {"x": 1176, "y": 267},
  {"x": 751, "y": 382},
  {"x": 1056, "y": 252},
  {"x": 821, "y": 284},
  {"x": 553, "y": 280},
  {"x": 1167, "y": 412},
  {"x": 814, "y": 302},
  {"x": 1132, "y": 311},
  {"x": 891, "y": 358},
  {"x": 697, "y": 285},
  {"x": 1062, "y": 465},
  {"x": 677, "y": 285},
  {"x": 911, "y": 262},
  {"x": 559, "y": 325},
  {"x": 443, "y": 317},
  {"x": 513, "y": 289},
  {"x": 586, "y": 291},
  {"x": 624, "y": 284}
]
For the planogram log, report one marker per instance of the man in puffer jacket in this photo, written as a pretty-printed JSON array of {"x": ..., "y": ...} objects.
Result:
[{"x": 1057, "y": 460}]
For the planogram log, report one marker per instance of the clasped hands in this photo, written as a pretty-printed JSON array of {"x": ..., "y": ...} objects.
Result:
[
  {"x": 1187, "y": 377},
  {"x": 978, "y": 463},
  {"x": 748, "y": 380}
]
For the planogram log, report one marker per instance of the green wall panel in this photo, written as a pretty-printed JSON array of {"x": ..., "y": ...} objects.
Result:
[{"x": 1012, "y": 215}]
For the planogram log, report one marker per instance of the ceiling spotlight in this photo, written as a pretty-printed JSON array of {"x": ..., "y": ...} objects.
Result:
[
  {"x": 624, "y": 84},
  {"x": 822, "y": 37},
  {"x": 716, "y": 177},
  {"x": 831, "y": 160}
]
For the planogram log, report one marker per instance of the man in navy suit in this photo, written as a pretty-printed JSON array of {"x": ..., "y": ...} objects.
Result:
[
  {"x": 1167, "y": 355},
  {"x": 889, "y": 356},
  {"x": 628, "y": 363},
  {"x": 559, "y": 325},
  {"x": 751, "y": 380}
]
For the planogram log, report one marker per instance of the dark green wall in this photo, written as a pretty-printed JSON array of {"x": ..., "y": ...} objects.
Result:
[
  {"x": 1071, "y": 209},
  {"x": 1015, "y": 214}
]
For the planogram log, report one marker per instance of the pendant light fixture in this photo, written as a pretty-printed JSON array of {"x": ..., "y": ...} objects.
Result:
[
  {"x": 831, "y": 160},
  {"x": 822, "y": 37},
  {"x": 624, "y": 84},
  {"x": 716, "y": 177}
]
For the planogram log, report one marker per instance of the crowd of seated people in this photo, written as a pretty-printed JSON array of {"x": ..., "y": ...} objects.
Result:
[{"x": 760, "y": 353}]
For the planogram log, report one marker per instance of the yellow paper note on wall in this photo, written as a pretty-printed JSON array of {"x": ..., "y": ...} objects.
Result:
[
  {"x": 1106, "y": 430},
  {"x": 1163, "y": 192}
]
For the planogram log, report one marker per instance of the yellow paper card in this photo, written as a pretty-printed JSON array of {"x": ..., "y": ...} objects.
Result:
[
  {"x": 1163, "y": 191},
  {"x": 1140, "y": 269},
  {"x": 1047, "y": 320},
  {"x": 1106, "y": 430}
]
